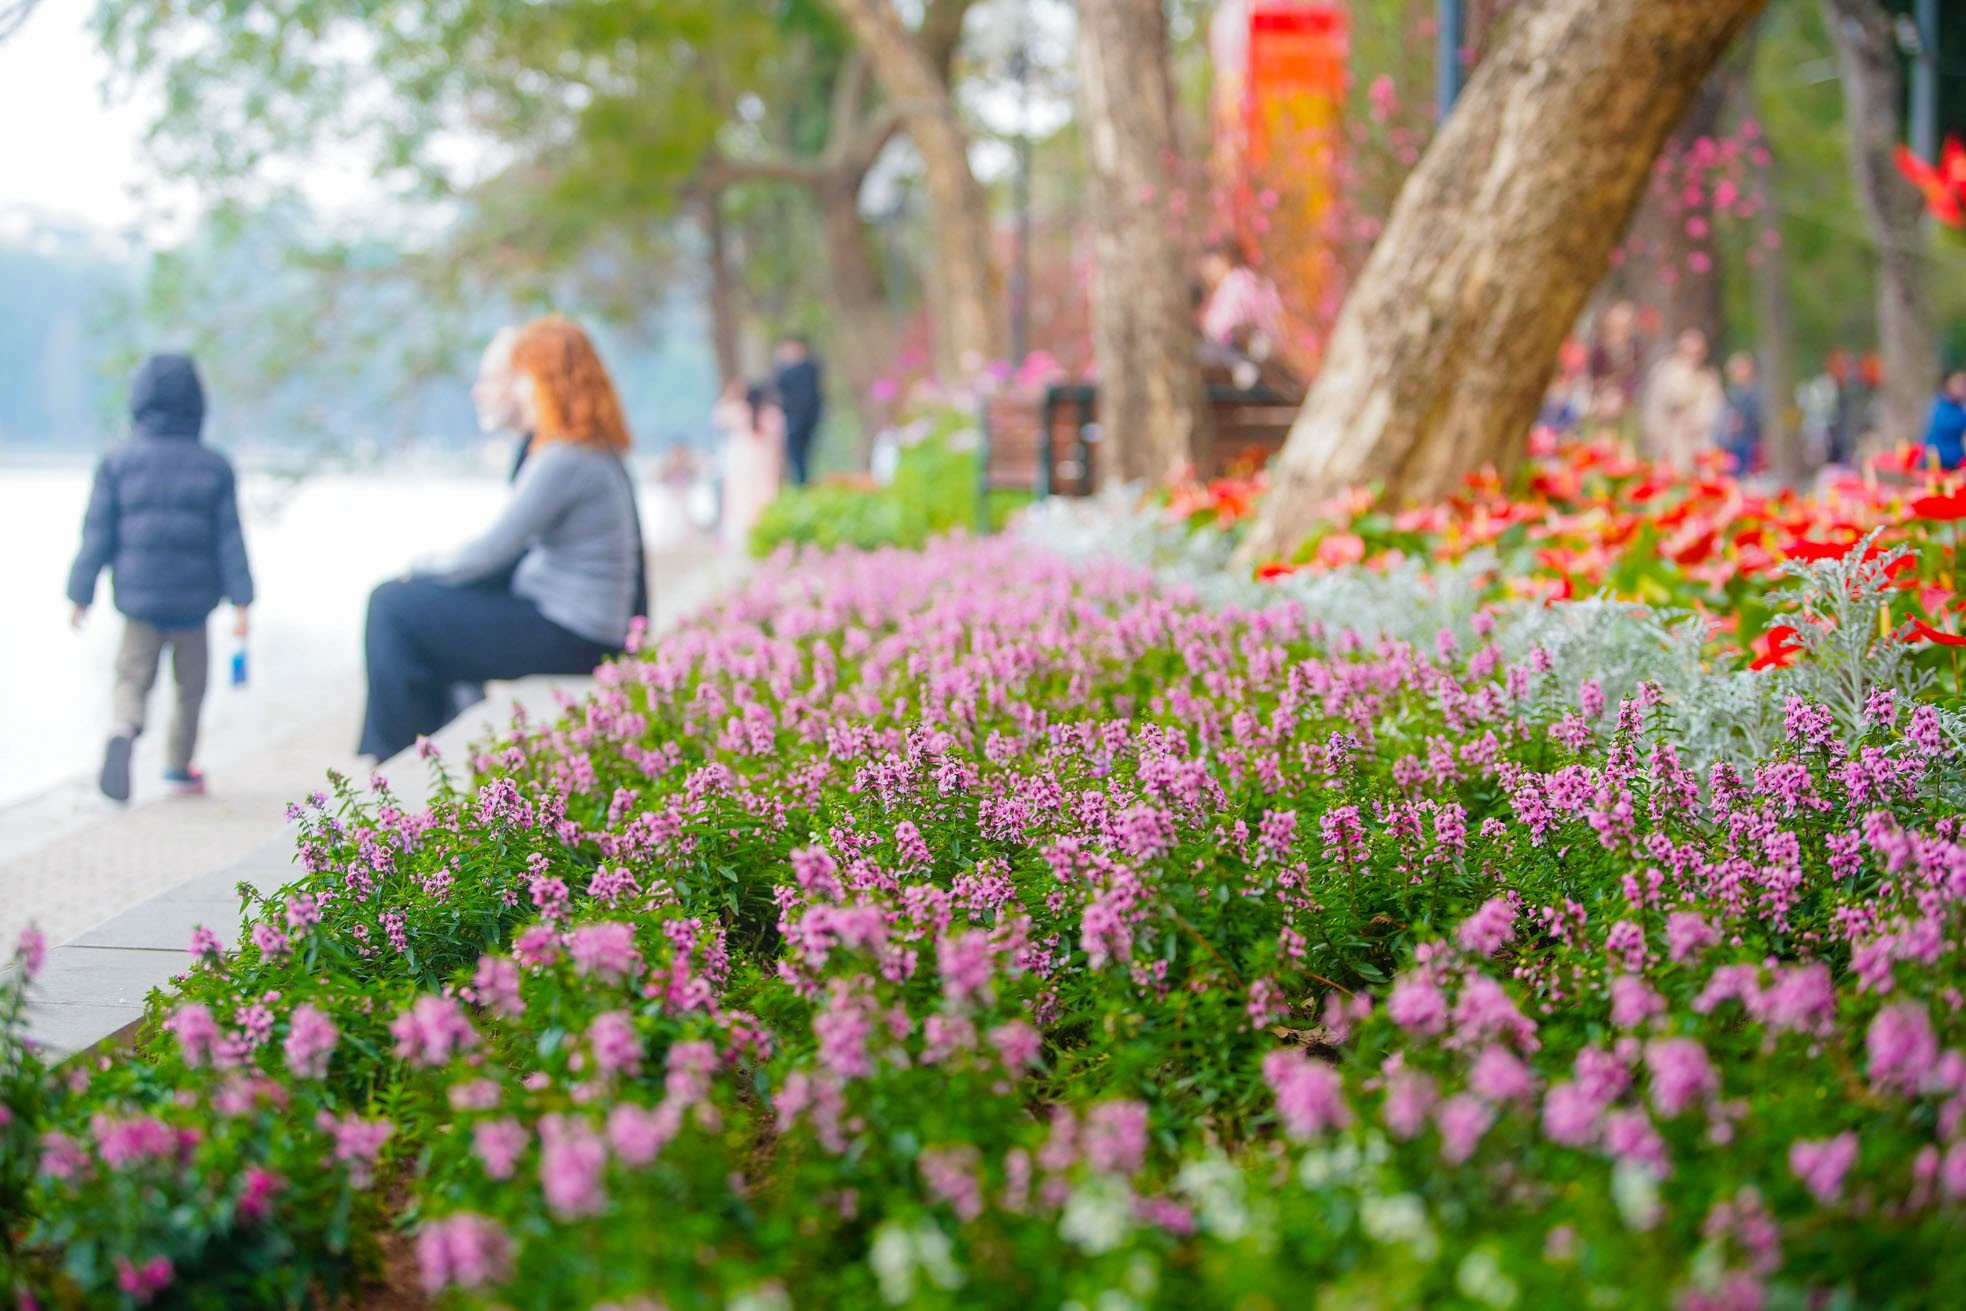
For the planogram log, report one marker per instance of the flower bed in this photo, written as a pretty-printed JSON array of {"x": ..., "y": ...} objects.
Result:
[
  {"x": 1589, "y": 518},
  {"x": 981, "y": 928}
]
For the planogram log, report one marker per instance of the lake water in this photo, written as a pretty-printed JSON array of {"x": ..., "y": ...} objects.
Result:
[{"x": 317, "y": 548}]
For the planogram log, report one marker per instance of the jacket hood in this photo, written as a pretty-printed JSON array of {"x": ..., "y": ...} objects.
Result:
[{"x": 166, "y": 398}]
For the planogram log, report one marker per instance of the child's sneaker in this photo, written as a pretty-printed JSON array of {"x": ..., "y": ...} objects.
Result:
[
  {"x": 115, "y": 779},
  {"x": 187, "y": 782}
]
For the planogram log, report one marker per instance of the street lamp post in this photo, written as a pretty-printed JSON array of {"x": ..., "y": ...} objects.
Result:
[{"x": 1925, "y": 82}]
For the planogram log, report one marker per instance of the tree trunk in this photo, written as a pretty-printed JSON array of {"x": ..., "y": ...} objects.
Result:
[
  {"x": 1866, "y": 53},
  {"x": 969, "y": 329},
  {"x": 1142, "y": 327},
  {"x": 1441, "y": 354},
  {"x": 724, "y": 311},
  {"x": 859, "y": 308},
  {"x": 1664, "y": 271},
  {"x": 1774, "y": 314}
]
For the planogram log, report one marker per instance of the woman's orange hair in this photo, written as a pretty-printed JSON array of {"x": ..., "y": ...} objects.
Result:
[{"x": 571, "y": 389}]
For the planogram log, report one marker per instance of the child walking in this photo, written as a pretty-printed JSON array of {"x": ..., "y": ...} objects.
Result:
[{"x": 163, "y": 518}]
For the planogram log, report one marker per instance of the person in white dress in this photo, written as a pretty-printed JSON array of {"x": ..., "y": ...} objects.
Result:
[{"x": 753, "y": 426}]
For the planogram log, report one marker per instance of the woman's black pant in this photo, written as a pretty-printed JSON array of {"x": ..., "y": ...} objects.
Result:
[{"x": 423, "y": 638}]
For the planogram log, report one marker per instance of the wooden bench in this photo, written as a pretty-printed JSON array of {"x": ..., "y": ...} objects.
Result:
[{"x": 1049, "y": 443}]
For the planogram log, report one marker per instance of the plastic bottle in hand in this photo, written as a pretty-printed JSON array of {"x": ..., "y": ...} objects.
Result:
[{"x": 239, "y": 665}]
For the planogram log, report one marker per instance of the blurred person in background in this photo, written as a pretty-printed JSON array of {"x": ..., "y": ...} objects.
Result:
[
  {"x": 753, "y": 427},
  {"x": 1741, "y": 410},
  {"x": 801, "y": 395},
  {"x": 1567, "y": 400},
  {"x": 163, "y": 518},
  {"x": 1241, "y": 316},
  {"x": 1617, "y": 352},
  {"x": 552, "y": 586},
  {"x": 1945, "y": 423},
  {"x": 1682, "y": 402}
]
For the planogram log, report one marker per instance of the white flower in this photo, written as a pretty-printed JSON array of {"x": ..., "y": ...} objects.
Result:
[
  {"x": 1097, "y": 1217},
  {"x": 899, "y": 1252},
  {"x": 1402, "y": 1219},
  {"x": 769, "y": 1296},
  {"x": 1637, "y": 1194},
  {"x": 1216, "y": 1188},
  {"x": 1480, "y": 1277}
]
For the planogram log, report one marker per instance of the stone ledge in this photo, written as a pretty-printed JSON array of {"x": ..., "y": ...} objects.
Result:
[{"x": 92, "y": 990}]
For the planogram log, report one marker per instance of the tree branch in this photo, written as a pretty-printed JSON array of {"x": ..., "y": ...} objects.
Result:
[{"x": 14, "y": 15}]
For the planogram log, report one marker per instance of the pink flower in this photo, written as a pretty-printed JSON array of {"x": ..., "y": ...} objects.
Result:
[
  {"x": 843, "y": 1028},
  {"x": 1116, "y": 1137},
  {"x": 571, "y": 1159},
  {"x": 951, "y": 1176},
  {"x": 430, "y": 1030},
  {"x": 1633, "y": 1001},
  {"x": 1463, "y": 1120},
  {"x": 144, "y": 1282},
  {"x": 1417, "y": 1004},
  {"x": 604, "y": 951},
  {"x": 31, "y": 950},
  {"x": 256, "y": 1196},
  {"x": 311, "y": 1040},
  {"x": 1410, "y": 1098},
  {"x": 196, "y": 1032},
  {"x": 1903, "y": 1049},
  {"x": 357, "y": 1143},
  {"x": 617, "y": 1048},
  {"x": 1489, "y": 929},
  {"x": 1630, "y": 1137},
  {"x": 1498, "y": 1076},
  {"x": 464, "y": 1250},
  {"x": 1310, "y": 1095},
  {"x": 495, "y": 986},
  {"x": 498, "y": 1145},
  {"x": 536, "y": 947},
  {"x": 691, "y": 1065},
  {"x": 1018, "y": 1044},
  {"x": 1570, "y": 1115},
  {"x": 638, "y": 1134},
  {"x": 1680, "y": 1073},
  {"x": 1821, "y": 1164}
]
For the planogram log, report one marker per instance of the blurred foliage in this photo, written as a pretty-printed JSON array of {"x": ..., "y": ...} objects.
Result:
[
  {"x": 935, "y": 490},
  {"x": 1831, "y": 255}
]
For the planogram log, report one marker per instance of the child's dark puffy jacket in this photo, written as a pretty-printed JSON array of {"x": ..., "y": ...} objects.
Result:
[{"x": 164, "y": 513}]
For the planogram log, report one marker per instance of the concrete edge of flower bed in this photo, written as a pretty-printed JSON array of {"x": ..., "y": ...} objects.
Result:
[{"x": 91, "y": 990}]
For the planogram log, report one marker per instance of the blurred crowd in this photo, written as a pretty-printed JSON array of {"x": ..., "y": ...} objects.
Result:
[{"x": 1671, "y": 400}]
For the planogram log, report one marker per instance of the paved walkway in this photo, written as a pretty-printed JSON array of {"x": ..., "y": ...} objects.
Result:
[{"x": 85, "y": 871}]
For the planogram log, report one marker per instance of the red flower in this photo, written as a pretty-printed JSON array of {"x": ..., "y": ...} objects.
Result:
[
  {"x": 1276, "y": 569},
  {"x": 1924, "y": 632},
  {"x": 1948, "y": 507},
  {"x": 1803, "y": 549},
  {"x": 1944, "y": 186},
  {"x": 1776, "y": 649}
]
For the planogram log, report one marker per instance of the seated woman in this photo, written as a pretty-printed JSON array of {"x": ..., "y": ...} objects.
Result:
[{"x": 568, "y": 541}]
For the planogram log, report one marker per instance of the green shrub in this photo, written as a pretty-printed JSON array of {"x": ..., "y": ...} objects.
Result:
[{"x": 934, "y": 491}]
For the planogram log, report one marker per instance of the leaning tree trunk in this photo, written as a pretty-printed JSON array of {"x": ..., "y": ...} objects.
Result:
[
  {"x": 969, "y": 329},
  {"x": 1441, "y": 354},
  {"x": 1143, "y": 331},
  {"x": 1866, "y": 52}
]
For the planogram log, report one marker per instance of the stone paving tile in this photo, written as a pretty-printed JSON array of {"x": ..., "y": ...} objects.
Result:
[
  {"x": 165, "y": 923},
  {"x": 103, "y": 976}
]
